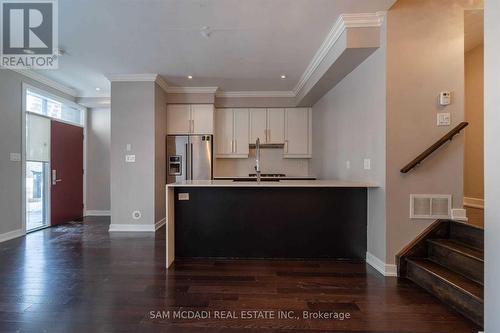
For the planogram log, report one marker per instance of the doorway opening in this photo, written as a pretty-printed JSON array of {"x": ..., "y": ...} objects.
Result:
[
  {"x": 474, "y": 115},
  {"x": 53, "y": 144}
]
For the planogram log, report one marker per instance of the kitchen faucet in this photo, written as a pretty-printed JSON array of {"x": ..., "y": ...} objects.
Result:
[{"x": 257, "y": 159}]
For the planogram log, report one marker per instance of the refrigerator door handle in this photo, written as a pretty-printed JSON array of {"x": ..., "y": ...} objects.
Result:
[
  {"x": 191, "y": 157},
  {"x": 188, "y": 162}
]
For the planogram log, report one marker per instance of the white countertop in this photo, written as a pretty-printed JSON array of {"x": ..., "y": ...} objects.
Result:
[{"x": 281, "y": 183}]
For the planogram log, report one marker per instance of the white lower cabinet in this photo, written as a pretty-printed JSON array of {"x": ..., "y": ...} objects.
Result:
[
  {"x": 231, "y": 133},
  {"x": 298, "y": 133}
]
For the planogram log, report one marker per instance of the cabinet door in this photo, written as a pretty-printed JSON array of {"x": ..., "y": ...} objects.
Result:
[
  {"x": 202, "y": 116},
  {"x": 178, "y": 119},
  {"x": 275, "y": 125},
  {"x": 241, "y": 132},
  {"x": 258, "y": 125},
  {"x": 297, "y": 133},
  {"x": 223, "y": 132}
]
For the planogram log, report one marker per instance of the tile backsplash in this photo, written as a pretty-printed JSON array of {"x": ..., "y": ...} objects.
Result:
[{"x": 272, "y": 161}]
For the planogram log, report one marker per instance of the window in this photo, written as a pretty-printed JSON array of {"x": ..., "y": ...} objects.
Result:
[{"x": 39, "y": 104}]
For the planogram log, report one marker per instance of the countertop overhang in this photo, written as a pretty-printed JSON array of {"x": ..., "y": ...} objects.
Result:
[{"x": 281, "y": 183}]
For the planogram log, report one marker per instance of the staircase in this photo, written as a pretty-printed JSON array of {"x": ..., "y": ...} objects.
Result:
[{"x": 448, "y": 261}]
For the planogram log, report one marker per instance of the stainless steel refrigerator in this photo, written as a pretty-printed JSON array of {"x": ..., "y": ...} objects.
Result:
[{"x": 189, "y": 157}]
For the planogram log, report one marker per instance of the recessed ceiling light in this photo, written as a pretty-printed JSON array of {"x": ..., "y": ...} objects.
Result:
[
  {"x": 283, "y": 77},
  {"x": 190, "y": 77},
  {"x": 97, "y": 89}
]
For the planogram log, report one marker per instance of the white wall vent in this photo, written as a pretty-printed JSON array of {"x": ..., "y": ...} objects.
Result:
[{"x": 430, "y": 206}]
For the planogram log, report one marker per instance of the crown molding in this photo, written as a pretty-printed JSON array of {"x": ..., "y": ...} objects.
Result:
[
  {"x": 46, "y": 81},
  {"x": 363, "y": 20},
  {"x": 148, "y": 77},
  {"x": 94, "y": 102},
  {"x": 192, "y": 90},
  {"x": 255, "y": 94},
  {"x": 162, "y": 83}
]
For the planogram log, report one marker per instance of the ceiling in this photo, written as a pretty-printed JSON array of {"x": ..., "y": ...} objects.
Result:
[{"x": 250, "y": 44}]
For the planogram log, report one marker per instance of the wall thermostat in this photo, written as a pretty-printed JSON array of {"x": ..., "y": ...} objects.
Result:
[{"x": 445, "y": 98}]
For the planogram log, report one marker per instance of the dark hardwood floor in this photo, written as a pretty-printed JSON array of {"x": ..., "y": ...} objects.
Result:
[{"x": 79, "y": 278}]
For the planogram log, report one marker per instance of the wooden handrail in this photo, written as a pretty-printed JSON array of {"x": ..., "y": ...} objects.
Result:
[{"x": 434, "y": 147}]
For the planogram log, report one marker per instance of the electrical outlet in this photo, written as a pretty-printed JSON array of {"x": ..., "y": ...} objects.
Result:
[
  {"x": 183, "y": 196},
  {"x": 367, "y": 163},
  {"x": 130, "y": 158}
]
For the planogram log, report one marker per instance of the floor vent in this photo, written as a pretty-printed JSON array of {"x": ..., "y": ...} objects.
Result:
[{"x": 430, "y": 206}]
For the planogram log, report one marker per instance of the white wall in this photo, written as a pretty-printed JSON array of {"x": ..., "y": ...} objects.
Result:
[
  {"x": 492, "y": 161},
  {"x": 138, "y": 118},
  {"x": 132, "y": 122},
  {"x": 349, "y": 125},
  {"x": 98, "y": 159},
  {"x": 10, "y": 142},
  {"x": 425, "y": 55}
]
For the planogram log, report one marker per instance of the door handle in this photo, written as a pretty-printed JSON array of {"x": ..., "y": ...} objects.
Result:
[{"x": 54, "y": 177}]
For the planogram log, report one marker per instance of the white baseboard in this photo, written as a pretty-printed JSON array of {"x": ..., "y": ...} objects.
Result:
[
  {"x": 379, "y": 265},
  {"x": 113, "y": 227},
  {"x": 97, "y": 213},
  {"x": 160, "y": 223},
  {"x": 474, "y": 202},
  {"x": 11, "y": 235}
]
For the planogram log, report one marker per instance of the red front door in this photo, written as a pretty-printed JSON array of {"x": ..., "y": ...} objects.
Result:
[{"x": 66, "y": 160}]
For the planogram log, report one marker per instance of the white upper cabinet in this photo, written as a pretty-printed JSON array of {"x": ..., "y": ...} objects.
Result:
[
  {"x": 268, "y": 125},
  {"x": 190, "y": 119},
  {"x": 202, "y": 116},
  {"x": 223, "y": 132},
  {"x": 275, "y": 126},
  {"x": 241, "y": 132},
  {"x": 298, "y": 133},
  {"x": 231, "y": 133},
  {"x": 258, "y": 125},
  {"x": 178, "y": 119}
]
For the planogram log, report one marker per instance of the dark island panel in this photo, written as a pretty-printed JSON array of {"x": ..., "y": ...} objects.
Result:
[{"x": 281, "y": 222}]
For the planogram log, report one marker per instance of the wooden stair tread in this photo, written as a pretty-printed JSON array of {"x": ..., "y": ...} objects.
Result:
[
  {"x": 450, "y": 277},
  {"x": 459, "y": 247}
]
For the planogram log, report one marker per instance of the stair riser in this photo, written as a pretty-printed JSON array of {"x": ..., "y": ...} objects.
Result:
[
  {"x": 467, "y": 266},
  {"x": 465, "y": 304},
  {"x": 467, "y": 234}
]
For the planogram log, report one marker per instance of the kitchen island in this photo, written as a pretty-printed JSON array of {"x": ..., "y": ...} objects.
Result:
[{"x": 314, "y": 219}]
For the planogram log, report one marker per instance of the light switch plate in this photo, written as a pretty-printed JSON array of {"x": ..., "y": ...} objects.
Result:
[
  {"x": 15, "y": 157},
  {"x": 444, "y": 119},
  {"x": 367, "y": 163},
  {"x": 183, "y": 196},
  {"x": 130, "y": 158},
  {"x": 347, "y": 164},
  {"x": 129, "y": 147}
]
